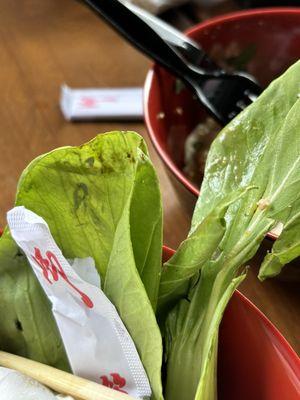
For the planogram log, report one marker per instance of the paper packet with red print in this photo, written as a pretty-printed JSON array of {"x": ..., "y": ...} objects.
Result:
[
  {"x": 101, "y": 104},
  {"x": 96, "y": 341}
]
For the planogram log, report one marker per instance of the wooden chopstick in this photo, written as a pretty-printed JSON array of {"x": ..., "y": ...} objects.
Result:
[{"x": 60, "y": 381}]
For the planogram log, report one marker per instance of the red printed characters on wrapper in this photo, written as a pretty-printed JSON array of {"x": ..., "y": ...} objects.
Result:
[
  {"x": 116, "y": 382},
  {"x": 88, "y": 102},
  {"x": 52, "y": 269},
  {"x": 93, "y": 102}
]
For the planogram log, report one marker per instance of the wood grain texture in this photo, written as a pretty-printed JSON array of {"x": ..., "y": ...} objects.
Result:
[{"x": 46, "y": 43}]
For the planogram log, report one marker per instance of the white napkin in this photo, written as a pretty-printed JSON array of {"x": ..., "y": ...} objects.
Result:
[{"x": 17, "y": 386}]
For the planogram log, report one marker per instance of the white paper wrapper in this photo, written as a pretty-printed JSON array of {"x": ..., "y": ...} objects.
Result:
[
  {"x": 92, "y": 104},
  {"x": 97, "y": 343}
]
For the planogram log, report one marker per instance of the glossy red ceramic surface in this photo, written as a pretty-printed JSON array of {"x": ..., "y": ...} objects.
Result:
[
  {"x": 269, "y": 38},
  {"x": 255, "y": 361}
]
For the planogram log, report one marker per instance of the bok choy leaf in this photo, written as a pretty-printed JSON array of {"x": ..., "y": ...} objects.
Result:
[
  {"x": 101, "y": 200},
  {"x": 258, "y": 150}
]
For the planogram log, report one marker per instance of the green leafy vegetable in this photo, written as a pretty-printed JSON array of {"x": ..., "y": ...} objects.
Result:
[
  {"x": 102, "y": 200},
  {"x": 258, "y": 150}
]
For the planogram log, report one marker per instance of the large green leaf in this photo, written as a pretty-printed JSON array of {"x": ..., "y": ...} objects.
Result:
[
  {"x": 89, "y": 196},
  {"x": 236, "y": 154},
  {"x": 81, "y": 193}
]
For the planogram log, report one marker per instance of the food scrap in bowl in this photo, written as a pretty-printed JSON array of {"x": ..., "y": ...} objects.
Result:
[{"x": 197, "y": 147}]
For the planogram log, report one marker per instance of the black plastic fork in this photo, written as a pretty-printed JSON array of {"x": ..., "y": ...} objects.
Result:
[{"x": 223, "y": 95}]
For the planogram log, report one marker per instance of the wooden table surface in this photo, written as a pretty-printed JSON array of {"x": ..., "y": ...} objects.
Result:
[{"x": 44, "y": 44}]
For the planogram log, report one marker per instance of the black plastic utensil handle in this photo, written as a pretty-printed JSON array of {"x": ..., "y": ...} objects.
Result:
[
  {"x": 147, "y": 40},
  {"x": 143, "y": 37}
]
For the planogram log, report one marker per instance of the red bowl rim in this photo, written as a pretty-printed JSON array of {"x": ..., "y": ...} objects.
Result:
[
  {"x": 149, "y": 78},
  {"x": 292, "y": 357}
]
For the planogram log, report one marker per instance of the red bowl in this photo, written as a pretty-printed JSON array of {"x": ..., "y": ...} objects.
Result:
[
  {"x": 269, "y": 38},
  {"x": 255, "y": 360}
]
